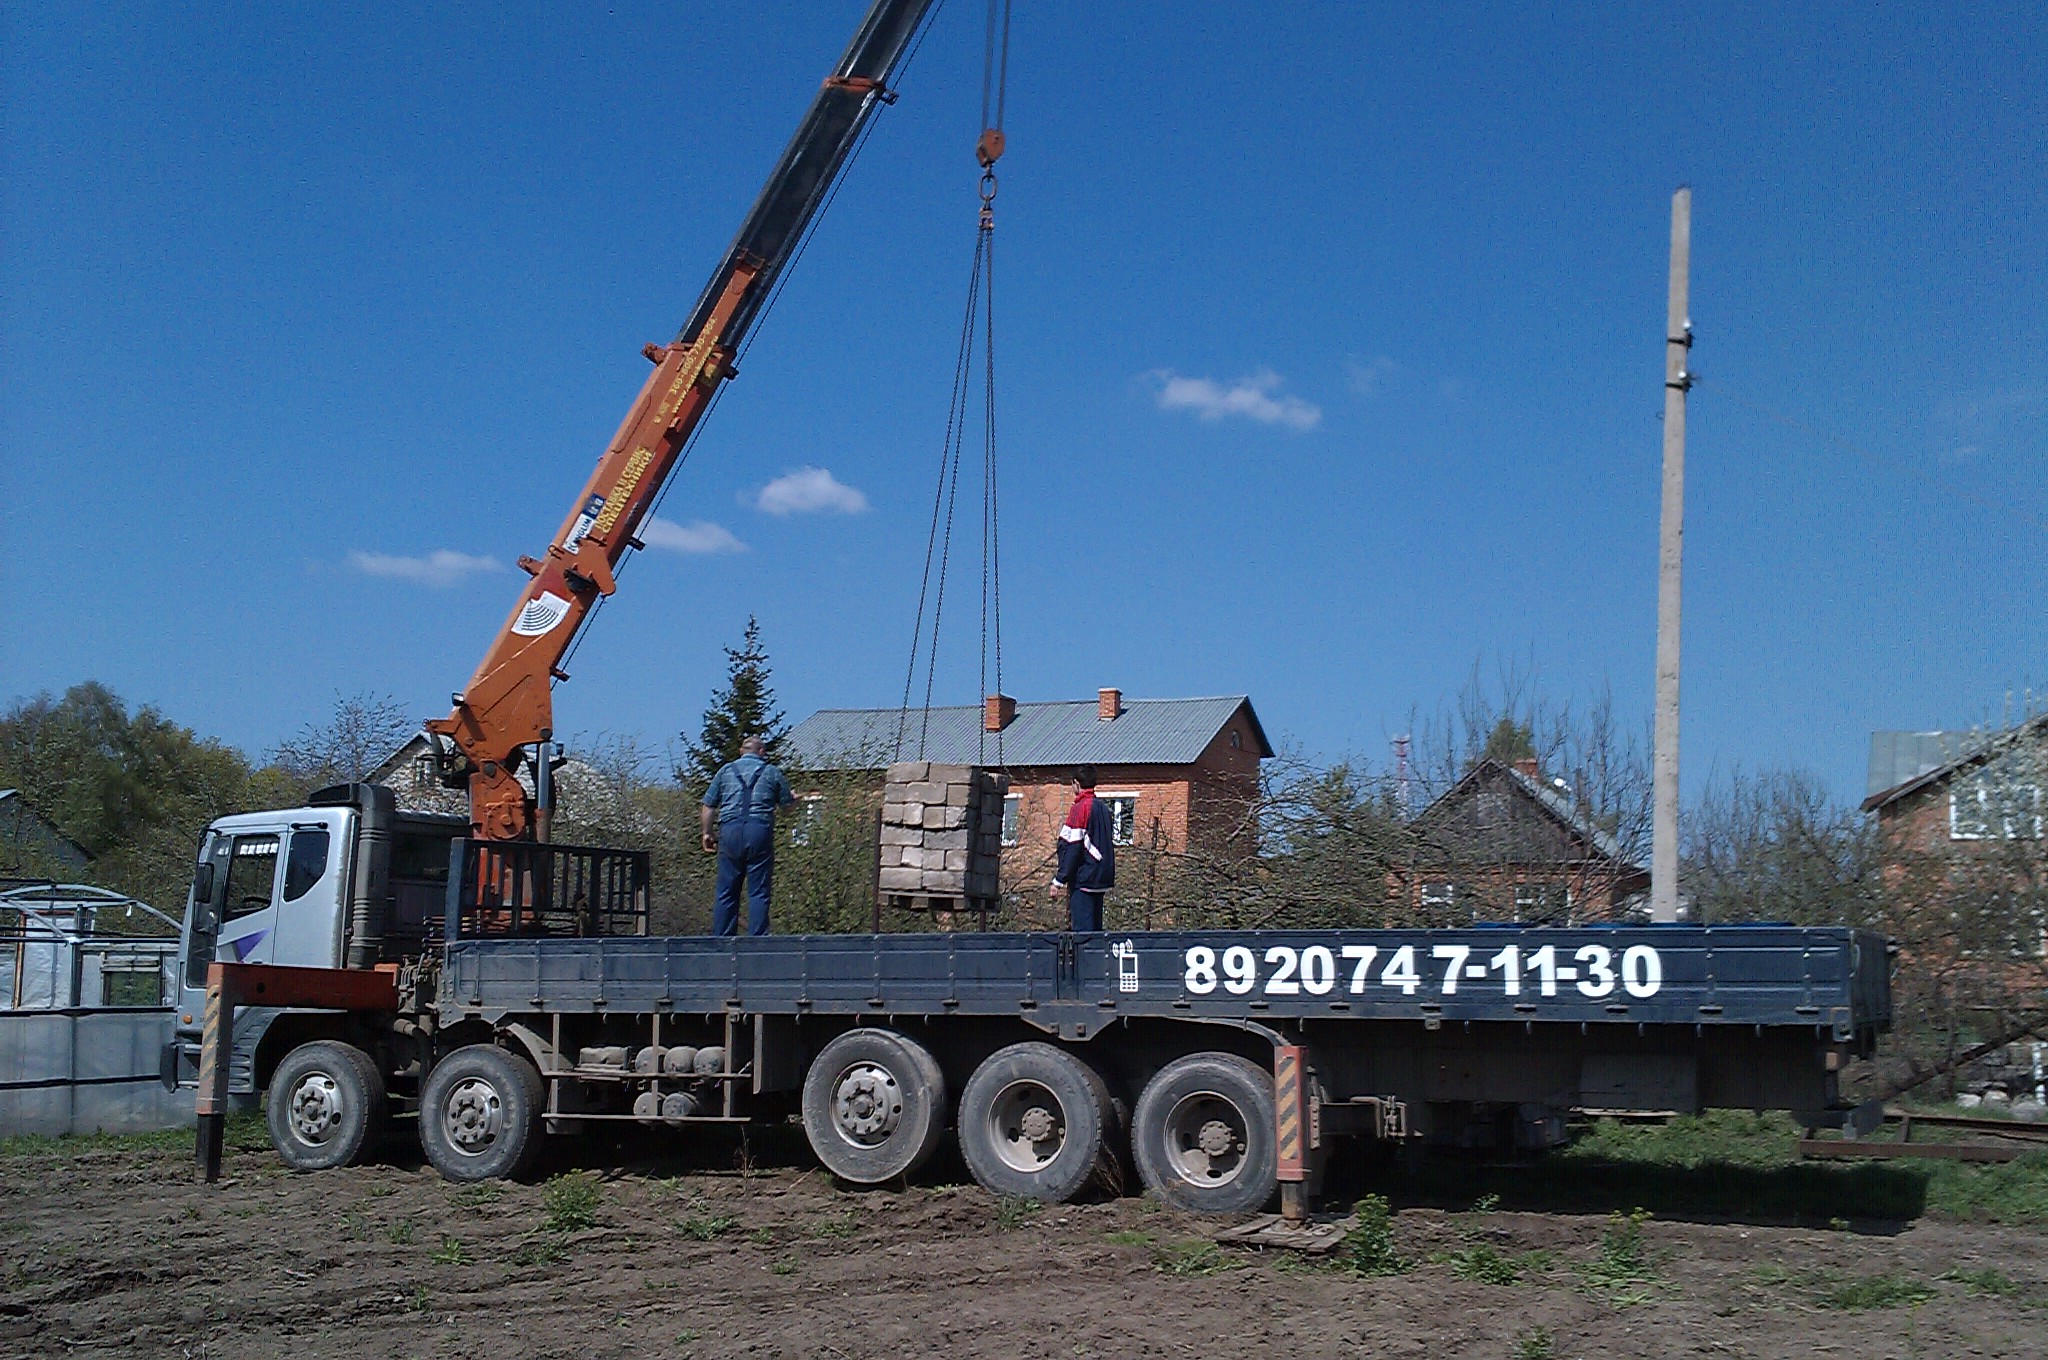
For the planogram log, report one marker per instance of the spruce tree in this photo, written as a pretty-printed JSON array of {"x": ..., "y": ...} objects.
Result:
[{"x": 744, "y": 708}]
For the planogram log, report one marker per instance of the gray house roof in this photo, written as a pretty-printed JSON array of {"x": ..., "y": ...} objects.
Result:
[
  {"x": 22, "y": 824},
  {"x": 1902, "y": 762},
  {"x": 1545, "y": 795},
  {"x": 1147, "y": 732}
]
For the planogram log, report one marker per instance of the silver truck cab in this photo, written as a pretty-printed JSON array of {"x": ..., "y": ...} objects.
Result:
[{"x": 282, "y": 887}]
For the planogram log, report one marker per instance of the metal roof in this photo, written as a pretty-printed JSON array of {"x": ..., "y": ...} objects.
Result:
[
  {"x": 1900, "y": 757},
  {"x": 1546, "y": 795},
  {"x": 1901, "y": 762},
  {"x": 1147, "y": 732}
]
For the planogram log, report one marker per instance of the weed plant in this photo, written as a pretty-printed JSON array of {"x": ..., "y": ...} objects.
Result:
[
  {"x": 707, "y": 1228},
  {"x": 1368, "y": 1249},
  {"x": 1190, "y": 1258},
  {"x": 571, "y": 1201},
  {"x": 1878, "y": 1291},
  {"x": 1014, "y": 1211}
]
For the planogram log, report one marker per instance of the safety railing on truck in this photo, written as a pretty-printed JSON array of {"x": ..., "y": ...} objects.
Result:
[{"x": 532, "y": 888}]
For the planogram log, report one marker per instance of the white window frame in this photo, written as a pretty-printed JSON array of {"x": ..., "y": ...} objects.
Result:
[
  {"x": 1128, "y": 834},
  {"x": 1013, "y": 819},
  {"x": 1440, "y": 893},
  {"x": 1977, "y": 790},
  {"x": 809, "y": 811}
]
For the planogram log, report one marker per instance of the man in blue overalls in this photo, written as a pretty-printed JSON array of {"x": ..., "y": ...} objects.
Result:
[{"x": 742, "y": 800}]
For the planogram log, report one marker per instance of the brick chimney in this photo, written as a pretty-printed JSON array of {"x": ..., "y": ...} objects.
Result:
[
  {"x": 1109, "y": 704},
  {"x": 998, "y": 711},
  {"x": 1531, "y": 767}
]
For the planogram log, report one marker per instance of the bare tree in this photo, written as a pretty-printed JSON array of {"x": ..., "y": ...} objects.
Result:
[{"x": 358, "y": 735}]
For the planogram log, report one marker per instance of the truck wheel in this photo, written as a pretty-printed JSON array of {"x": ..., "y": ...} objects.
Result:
[
  {"x": 1036, "y": 1121},
  {"x": 326, "y": 1106},
  {"x": 480, "y": 1114},
  {"x": 1202, "y": 1134},
  {"x": 874, "y": 1106}
]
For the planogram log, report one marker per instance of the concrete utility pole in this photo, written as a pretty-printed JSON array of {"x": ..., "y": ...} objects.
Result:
[{"x": 1670, "y": 555}]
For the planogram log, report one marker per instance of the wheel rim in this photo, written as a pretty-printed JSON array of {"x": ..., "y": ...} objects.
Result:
[
  {"x": 315, "y": 1108},
  {"x": 1207, "y": 1137},
  {"x": 867, "y": 1104},
  {"x": 1027, "y": 1126},
  {"x": 473, "y": 1116}
]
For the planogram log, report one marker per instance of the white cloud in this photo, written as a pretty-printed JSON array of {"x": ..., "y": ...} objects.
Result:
[
  {"x": 1256, "y": 397},
  {"x": 698, "y": 536},
  {"x": 439, "y": 569},
  {"x": 1368, "y": 377},
  {"x": 809, "y": 489}
]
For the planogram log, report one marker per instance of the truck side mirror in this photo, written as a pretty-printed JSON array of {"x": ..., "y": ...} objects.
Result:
[{"x": 202, "y": 886}]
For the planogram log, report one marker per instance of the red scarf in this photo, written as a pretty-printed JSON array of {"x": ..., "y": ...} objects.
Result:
[{"x": 1084, "y": 804}]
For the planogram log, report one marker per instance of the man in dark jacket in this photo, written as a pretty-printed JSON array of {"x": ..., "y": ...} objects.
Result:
[{"x": 1087, "y": 854}]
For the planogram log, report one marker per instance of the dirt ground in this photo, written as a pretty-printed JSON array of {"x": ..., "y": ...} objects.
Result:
[{"x": 115, "y": 1250}]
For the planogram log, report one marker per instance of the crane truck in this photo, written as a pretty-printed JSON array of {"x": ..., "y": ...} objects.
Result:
[{"x": 356, "y": 964}]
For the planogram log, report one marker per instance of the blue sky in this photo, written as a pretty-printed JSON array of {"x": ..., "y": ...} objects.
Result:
[{"x": 1330, "y": 356}]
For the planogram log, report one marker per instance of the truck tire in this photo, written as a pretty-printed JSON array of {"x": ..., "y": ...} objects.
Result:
[
  {"x": 1036, "y": 1121},
  {"x": 1203, "y": 1136},
  {"x": 480, "y": 1114},
  {"x": 874, "y": 1106},
  {"x": 326, "y": 1106}
]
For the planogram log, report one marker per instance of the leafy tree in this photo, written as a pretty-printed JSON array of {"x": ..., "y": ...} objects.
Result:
[
  {"x": 1509, "y": 741},
  {"x": 135, "y": 790},
  {"x": 744, "y": 708},
  {"x": 362, "y": 731}
]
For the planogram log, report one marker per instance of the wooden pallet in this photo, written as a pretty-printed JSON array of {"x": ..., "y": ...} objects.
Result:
[
  {"x": 935, "y": 903},
  {"x": 1272, "y": 1230}
]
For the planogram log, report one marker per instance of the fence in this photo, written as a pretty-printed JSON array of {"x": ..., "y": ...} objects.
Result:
[{"x": 83, "y": 1019}]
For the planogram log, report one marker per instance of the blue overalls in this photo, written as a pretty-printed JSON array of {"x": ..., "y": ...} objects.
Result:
[{"x": 746, "y": 853}]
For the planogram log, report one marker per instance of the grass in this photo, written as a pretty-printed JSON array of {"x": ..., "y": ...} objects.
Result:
[
  {"x": 1535, "y": 1344},
  {"x": 1129, "y": 1237},
  {"x": 784, "y": 1265},
  {"x": 571, "y": 1201},
  {"x": 1014, "y": 1211},
  {"x": 480, "y": 1194},
  {"x": 1733, "y": 1164},
  {"x": 449, "y": 1253},
  {"x": 1368, "y": 1249},
  {"x": 1983, "y": 1283},
  {"x": 399, "y": 1234},
  {"x": 1878, "y": 1291},
  {"x": 246, "y": 1132},
  {"x": 1190, "y": 1258},
  {"x": 708, "y": 1228},
  {"x": 1488, "y": 1264},
  {"x": 839, "y": 1225},
  {"x": 540, "y": 1250},
  {"x": 1621, "y": 1267}
]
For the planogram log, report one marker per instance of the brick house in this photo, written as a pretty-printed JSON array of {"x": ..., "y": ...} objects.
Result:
[
  {"x": 1958, "y": 794},
  {"x": 1177, "y": 774},
  {"x": 1506, "y": 844},
  {"x": 1961, "y": 822}
]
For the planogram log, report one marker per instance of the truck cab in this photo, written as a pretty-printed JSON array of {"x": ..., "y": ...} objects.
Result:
[{"x": 305, "y": 887}]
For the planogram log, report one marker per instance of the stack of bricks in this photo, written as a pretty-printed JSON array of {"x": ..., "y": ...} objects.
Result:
[{"x": 942, "y": 832}]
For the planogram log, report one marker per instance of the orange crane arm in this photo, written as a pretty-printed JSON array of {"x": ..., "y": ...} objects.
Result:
[{"x": 508, "y": 704}]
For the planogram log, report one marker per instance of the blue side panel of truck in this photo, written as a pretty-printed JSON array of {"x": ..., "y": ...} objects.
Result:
[{"x": 1831, "y": 981}]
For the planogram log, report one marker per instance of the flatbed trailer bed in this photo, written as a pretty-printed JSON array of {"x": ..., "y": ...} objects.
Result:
[{"x": 1220, "y": 1065}]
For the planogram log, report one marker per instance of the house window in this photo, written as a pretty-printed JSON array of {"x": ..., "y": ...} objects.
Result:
[
  {"x": 1541, "y": 903},
  {"x": 1439, "y": 897},
  {"x": 810, "y": 814},
  {"x": 1013, "y": 811},
  {"x": 1123, "y": 816},
  {"x": 422, "y": 772},
  {"x": 1984, "y": 806}
]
